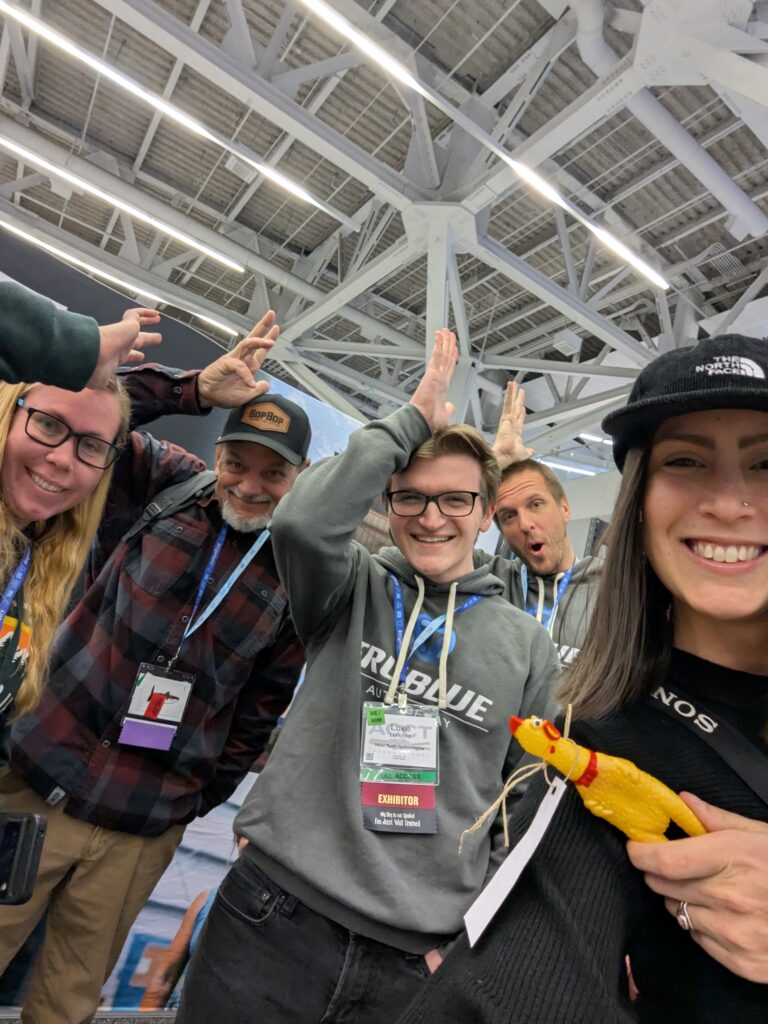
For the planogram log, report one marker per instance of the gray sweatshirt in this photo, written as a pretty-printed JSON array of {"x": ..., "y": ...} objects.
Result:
[
  {"x": 303, "y": 817},
  {"x": 568, "y": 625}
]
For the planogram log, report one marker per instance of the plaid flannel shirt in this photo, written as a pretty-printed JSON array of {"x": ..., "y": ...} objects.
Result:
[{"x": 136, "y": 602}]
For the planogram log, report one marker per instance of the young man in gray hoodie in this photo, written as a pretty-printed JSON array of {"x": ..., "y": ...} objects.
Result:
[
  {"x": 396, "y": 743},
  {"x": 545, "y": 579}
]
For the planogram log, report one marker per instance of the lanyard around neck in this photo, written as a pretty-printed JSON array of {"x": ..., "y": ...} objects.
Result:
[
  {"x": 224, "y": 589},
  {"x": 15, "y": 583},
  {"x": 543, "y": 615},
  {"x": 429, "y": 629}
]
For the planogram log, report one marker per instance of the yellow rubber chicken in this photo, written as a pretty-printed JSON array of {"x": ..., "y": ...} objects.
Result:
[{"x": 611, "y": 787}]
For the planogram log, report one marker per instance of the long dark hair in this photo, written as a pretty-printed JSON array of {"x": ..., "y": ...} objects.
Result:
[{"x": 629, "y": 640}]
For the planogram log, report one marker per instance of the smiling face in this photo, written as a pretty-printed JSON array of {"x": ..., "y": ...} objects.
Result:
[
  {"x": 705, "y": 516},
  {"x": 40, "y": 482},
  {"x": 251, "y": 481},
  {"x": 440, "y": 547},
  {"x": 534, "y": 523}
]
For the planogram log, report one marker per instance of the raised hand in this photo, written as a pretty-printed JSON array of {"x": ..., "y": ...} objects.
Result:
[
  {"x": 722, "y": 876},
  {"x": 508, "y": 446},
  {"x": 122, "y": 343},
  {"x": 430, "y": 396},
  {"x": 229, "y": 381}
]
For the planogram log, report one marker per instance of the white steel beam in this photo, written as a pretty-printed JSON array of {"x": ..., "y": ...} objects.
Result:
[
  {"x": 731, "y": 70},
  {"x": 557, "y": 368},
  {"x": 5, "y": 56},
  {"x": 354, "y": 379},
  {"x": 438, "y": 256},
  {"x": 581, "y": 406},
  {"x": 172, "y": 35},
  {"x": 269, "y": 59},
  {"x": 172, "y": 294},
  {"x": 580, "y": 312},
  {"x": 567, "y": 252},
  {"x": 557, "y": 38},
  {"x": 421, "y": 162},
  {"x": 356, "y": 348},
  {"x": 289, "y": 81},
  {"x": 24, "y": 70},
  {"x": 170, "y": 85},
  {"x": 397, "y": 257},
  {"x": 463, "y": 383},
  {"x": 596, "y": 103},
  {"x": 741, "y": 304},
  {"x": 238, "y": 41},
  {"x": 323, "y": 391},
  {"x": 544, "y": 442},
  {"x": 253, "y": 261},
  {"x": 120, "y": 267},
  {"x": 31, "y": 180}
]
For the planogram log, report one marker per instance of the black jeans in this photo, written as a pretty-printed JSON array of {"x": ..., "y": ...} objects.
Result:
[{"x": 264, "y": 957}]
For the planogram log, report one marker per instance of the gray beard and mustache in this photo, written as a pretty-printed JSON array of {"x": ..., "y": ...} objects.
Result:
[{"x": 241, "y": 523}]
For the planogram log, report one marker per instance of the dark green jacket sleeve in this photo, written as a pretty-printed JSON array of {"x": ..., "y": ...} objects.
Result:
[{"x": 41, "y": 343}]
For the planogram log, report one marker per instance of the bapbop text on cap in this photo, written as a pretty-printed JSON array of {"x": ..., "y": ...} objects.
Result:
[{"x": 274, "y": 421}]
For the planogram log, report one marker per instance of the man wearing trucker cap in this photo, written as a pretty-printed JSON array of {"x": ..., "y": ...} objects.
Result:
[{"x": 168, "y": 675}]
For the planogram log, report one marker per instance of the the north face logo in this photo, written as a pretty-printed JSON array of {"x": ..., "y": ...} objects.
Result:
[
  {"x": 731, "y": 366},
  {"x": 267, "y": 416}
]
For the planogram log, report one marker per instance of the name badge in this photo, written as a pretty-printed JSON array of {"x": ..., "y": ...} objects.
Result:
[
  {"x": 399, "y": 769},
  {"x": 483, "y": 910},
  {"x": 157, "y": 706}
]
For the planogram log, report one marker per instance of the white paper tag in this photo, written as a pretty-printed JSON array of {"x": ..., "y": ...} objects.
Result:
[{"x": 483, "y": 910}]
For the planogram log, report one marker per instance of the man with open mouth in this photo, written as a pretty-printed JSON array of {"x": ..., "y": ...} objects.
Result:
[{"x": 544, "y": 579}]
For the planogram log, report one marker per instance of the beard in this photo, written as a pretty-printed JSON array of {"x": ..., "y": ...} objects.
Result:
[{"x": 245, "y": 524}]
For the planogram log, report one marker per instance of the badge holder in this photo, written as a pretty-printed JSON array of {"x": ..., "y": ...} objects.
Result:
[
  {"x": 399, "y": 771},
  {"x": 158, "y": 701},
  {"x": 160, "y": 695}
]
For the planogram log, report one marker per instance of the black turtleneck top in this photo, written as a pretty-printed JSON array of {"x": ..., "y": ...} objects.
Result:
[{"x": 555, "y": 952}]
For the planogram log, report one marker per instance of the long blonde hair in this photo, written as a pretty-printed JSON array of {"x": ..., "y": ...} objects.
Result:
[{"x": 59, "y": 550}]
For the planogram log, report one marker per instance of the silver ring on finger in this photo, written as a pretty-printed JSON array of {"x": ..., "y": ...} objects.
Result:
[{"x": 683, "y": 917}]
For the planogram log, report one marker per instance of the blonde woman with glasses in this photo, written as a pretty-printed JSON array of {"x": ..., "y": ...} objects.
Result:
[{"x": 59, "y": 438}]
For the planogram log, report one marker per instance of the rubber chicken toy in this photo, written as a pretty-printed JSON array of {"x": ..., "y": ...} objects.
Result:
[{"x": 611, "y": 788}]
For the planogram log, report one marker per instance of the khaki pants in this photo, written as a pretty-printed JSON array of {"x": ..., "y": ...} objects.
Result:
[{"x": 93, "y": 883}]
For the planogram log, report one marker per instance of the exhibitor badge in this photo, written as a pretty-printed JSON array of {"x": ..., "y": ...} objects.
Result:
[{"x": 397, "y": 808}]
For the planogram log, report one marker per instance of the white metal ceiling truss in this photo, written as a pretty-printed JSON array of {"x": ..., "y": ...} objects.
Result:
[{"x": 648, "y": 117}]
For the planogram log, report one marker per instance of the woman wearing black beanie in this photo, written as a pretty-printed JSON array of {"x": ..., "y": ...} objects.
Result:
[{"x": 673, "y": 676}]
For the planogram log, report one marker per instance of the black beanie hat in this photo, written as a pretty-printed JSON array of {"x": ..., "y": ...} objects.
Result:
[{"x": 726, "y": 372}]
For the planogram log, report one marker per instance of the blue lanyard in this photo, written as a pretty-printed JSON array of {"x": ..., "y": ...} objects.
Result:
[
  {"x": 15, "y": 583},
  {"x": 426, "y": 633},
  {"x": 547, "y": 618},
  {"x": 247, "y": 558}
]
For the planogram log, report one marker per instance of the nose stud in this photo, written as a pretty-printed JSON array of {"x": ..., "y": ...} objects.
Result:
[{"x": 746, "y": 504}]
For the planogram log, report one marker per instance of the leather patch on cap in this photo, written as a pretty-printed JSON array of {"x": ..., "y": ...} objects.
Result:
[{"x": 267, "y": 416}]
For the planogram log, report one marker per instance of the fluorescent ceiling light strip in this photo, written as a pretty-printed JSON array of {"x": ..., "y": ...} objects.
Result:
[
  {"x": 527, "y": 174},
  {"x": 368, "y": 47},
  {"x": 133, "y": 211},
  {"x": 129, "y": 286},
  {"x": 569, "y": 469},
  {"x": 596, "y": 439},
  {"x": 50, "y": 35}
]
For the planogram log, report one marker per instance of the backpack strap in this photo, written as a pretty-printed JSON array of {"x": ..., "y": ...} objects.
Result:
[{"x": 172, "y": 499}]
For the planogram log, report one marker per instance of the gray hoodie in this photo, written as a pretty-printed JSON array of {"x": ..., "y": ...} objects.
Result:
[
  {"x": 303, "y": 817},
  {"x": 568, "y": 625}
]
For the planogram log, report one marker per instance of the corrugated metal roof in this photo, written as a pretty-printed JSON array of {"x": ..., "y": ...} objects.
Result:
[{"x": 616, "y": 166}]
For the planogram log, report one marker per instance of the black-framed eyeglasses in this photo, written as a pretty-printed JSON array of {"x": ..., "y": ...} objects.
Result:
[
  {"x": 53, "y": 432},
  {"x": 453, "y": 504}
]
